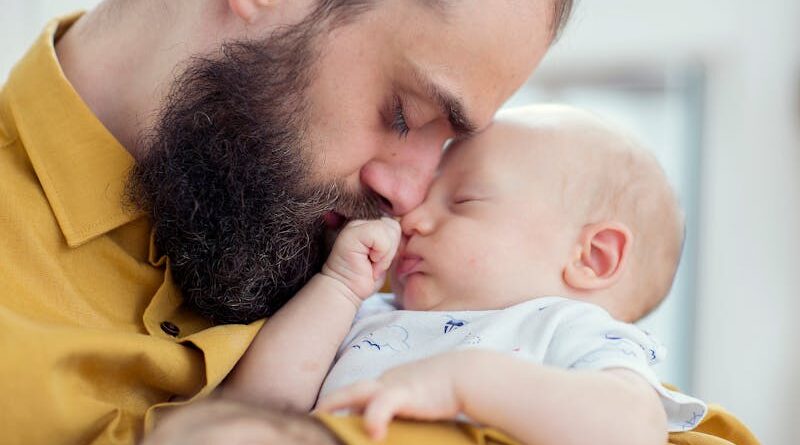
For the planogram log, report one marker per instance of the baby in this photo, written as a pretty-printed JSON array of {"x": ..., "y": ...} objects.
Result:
[{"x": 515, "y": 281}]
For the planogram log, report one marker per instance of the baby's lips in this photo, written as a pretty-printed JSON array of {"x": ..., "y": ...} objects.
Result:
[{"x": 407, "y": 264}]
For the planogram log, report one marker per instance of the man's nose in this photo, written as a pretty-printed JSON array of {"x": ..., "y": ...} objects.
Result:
[
  {"x": 402, "y": 177},
  {"x": 401, "y": 190}
]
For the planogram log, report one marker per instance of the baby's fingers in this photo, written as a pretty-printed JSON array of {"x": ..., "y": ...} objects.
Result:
[
  {"x": 394, "y": 233},
  {"x": 380, "y": 411},
  {"x": 354, "y": 396},
  {"x": 384, "y": 244}
]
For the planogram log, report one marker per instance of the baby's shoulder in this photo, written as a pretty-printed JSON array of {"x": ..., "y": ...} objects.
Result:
[
  {"x": 565, "y": 316},
  {"x": 561, "y": 309}
]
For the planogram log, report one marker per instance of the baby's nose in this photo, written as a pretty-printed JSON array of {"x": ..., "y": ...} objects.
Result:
[{"x": 417, "y": 221}]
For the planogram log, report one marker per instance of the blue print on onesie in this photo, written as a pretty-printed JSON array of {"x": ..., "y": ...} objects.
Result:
[{"x": 393, "y": 337}]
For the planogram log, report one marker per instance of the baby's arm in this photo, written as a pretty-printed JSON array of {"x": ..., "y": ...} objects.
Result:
[
  {"x": 534, "y": 403},
  {"x": 547, "y": 405},
  {"x": 289, "y": 358}
]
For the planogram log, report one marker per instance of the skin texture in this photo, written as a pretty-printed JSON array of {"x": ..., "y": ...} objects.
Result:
[
  {"x": 434, "y": 51},
  {"x": 500, "y": 225},
  {"x": 483, "y": 203},
  {"x": 550, "y": 199}
]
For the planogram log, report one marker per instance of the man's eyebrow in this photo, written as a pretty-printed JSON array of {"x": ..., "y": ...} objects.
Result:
[{"x": 450, "y": 104}]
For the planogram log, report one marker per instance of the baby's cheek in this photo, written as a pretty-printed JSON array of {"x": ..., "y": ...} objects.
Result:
[
  {"x": 476, "y": 267},
  {"x": 481, "y": 259},
  {"x": 471, "y": 264}
]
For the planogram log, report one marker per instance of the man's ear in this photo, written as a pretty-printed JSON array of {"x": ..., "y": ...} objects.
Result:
[
  {"x": 599, "y": 257},
  {"x": 249, "y": 10}
]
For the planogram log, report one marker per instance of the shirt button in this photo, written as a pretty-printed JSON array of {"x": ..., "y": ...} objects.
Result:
[{"x": 170, "y": 329}]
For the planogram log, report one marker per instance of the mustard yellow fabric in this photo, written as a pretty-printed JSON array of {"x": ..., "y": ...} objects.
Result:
[
  {"x": 83, "y": 293},
  {"x": 719, "y": 427}
]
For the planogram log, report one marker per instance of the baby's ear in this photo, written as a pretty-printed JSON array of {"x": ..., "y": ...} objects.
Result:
[{"x": 599, "y": 257}]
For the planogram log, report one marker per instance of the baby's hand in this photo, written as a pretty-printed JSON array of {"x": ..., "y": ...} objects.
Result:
[
  {"x": 423, "y": 390},
  {"x": 362, "y": 255}
]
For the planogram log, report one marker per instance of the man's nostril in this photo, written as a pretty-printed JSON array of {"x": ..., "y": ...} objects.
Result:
[{"x": 385, "y": 205}]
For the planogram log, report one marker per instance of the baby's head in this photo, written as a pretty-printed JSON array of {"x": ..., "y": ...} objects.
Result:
[{"x": 549, "y": 200}]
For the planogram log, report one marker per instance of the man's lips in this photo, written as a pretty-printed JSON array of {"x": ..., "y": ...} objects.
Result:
[{"x": 408, "y": 264}]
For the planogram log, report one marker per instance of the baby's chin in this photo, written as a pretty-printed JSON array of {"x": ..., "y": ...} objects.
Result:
[
  {"x": 399, "y": 295},
  {"x": 405, "y": 296},
  {"x": 405, "y": 301},
  {"x": 411, "y": 299}
]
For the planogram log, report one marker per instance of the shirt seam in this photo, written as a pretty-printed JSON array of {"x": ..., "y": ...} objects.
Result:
[{"x": 9, "y": 143}]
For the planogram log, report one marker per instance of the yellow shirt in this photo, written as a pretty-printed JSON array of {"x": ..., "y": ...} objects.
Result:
[{"x": 92, "y": 331}]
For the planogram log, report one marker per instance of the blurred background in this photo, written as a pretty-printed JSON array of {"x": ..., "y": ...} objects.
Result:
[{"x": 713, "y": 87}]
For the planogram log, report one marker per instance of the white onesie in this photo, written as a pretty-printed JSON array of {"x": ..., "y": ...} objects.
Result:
[{"x": 554, "y": 331}]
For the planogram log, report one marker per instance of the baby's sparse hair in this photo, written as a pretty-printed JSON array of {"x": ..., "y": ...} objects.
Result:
[{"x": 607, "y": 175}]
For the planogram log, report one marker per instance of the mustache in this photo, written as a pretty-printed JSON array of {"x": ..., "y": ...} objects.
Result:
[{"x": 349, "y": 204}]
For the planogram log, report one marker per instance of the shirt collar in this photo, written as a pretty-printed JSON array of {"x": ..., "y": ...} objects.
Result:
[{"x": 80, "y": 165}]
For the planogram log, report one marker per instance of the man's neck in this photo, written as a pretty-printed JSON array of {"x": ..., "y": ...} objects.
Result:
[{"x": 122, "y": 63}]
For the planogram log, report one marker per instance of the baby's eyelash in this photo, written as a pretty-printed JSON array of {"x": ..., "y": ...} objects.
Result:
[{"x": 399, "y": 123}]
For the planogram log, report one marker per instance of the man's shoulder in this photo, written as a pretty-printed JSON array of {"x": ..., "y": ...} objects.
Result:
[
  {"x": 22, "y": 200},
  {"x": 7, "y": 135}
]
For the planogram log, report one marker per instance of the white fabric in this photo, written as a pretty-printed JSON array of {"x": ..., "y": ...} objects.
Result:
[{"x": 553, "y": 331}]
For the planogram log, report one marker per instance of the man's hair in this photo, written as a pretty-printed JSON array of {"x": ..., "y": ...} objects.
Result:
[
  {"x": 341, "y": 12},
  {"x": 562, "y": 10}
]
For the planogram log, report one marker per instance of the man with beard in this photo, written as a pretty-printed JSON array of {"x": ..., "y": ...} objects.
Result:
[{"x": 168, "y": 172}]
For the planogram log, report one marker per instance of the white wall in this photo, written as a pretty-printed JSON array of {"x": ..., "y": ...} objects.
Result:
[
  {"x": 749, "y": 274},
  {"x": 21, "y": 21},
  {"x": 746, "y": 355}
]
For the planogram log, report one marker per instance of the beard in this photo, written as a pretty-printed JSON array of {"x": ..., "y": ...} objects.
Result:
[{"x": 227, "y": 180}]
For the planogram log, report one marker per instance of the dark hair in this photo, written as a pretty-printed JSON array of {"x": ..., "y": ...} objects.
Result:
[
  {"x": 341, "y": 12},
  {"x": 562, "y": 10}
]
